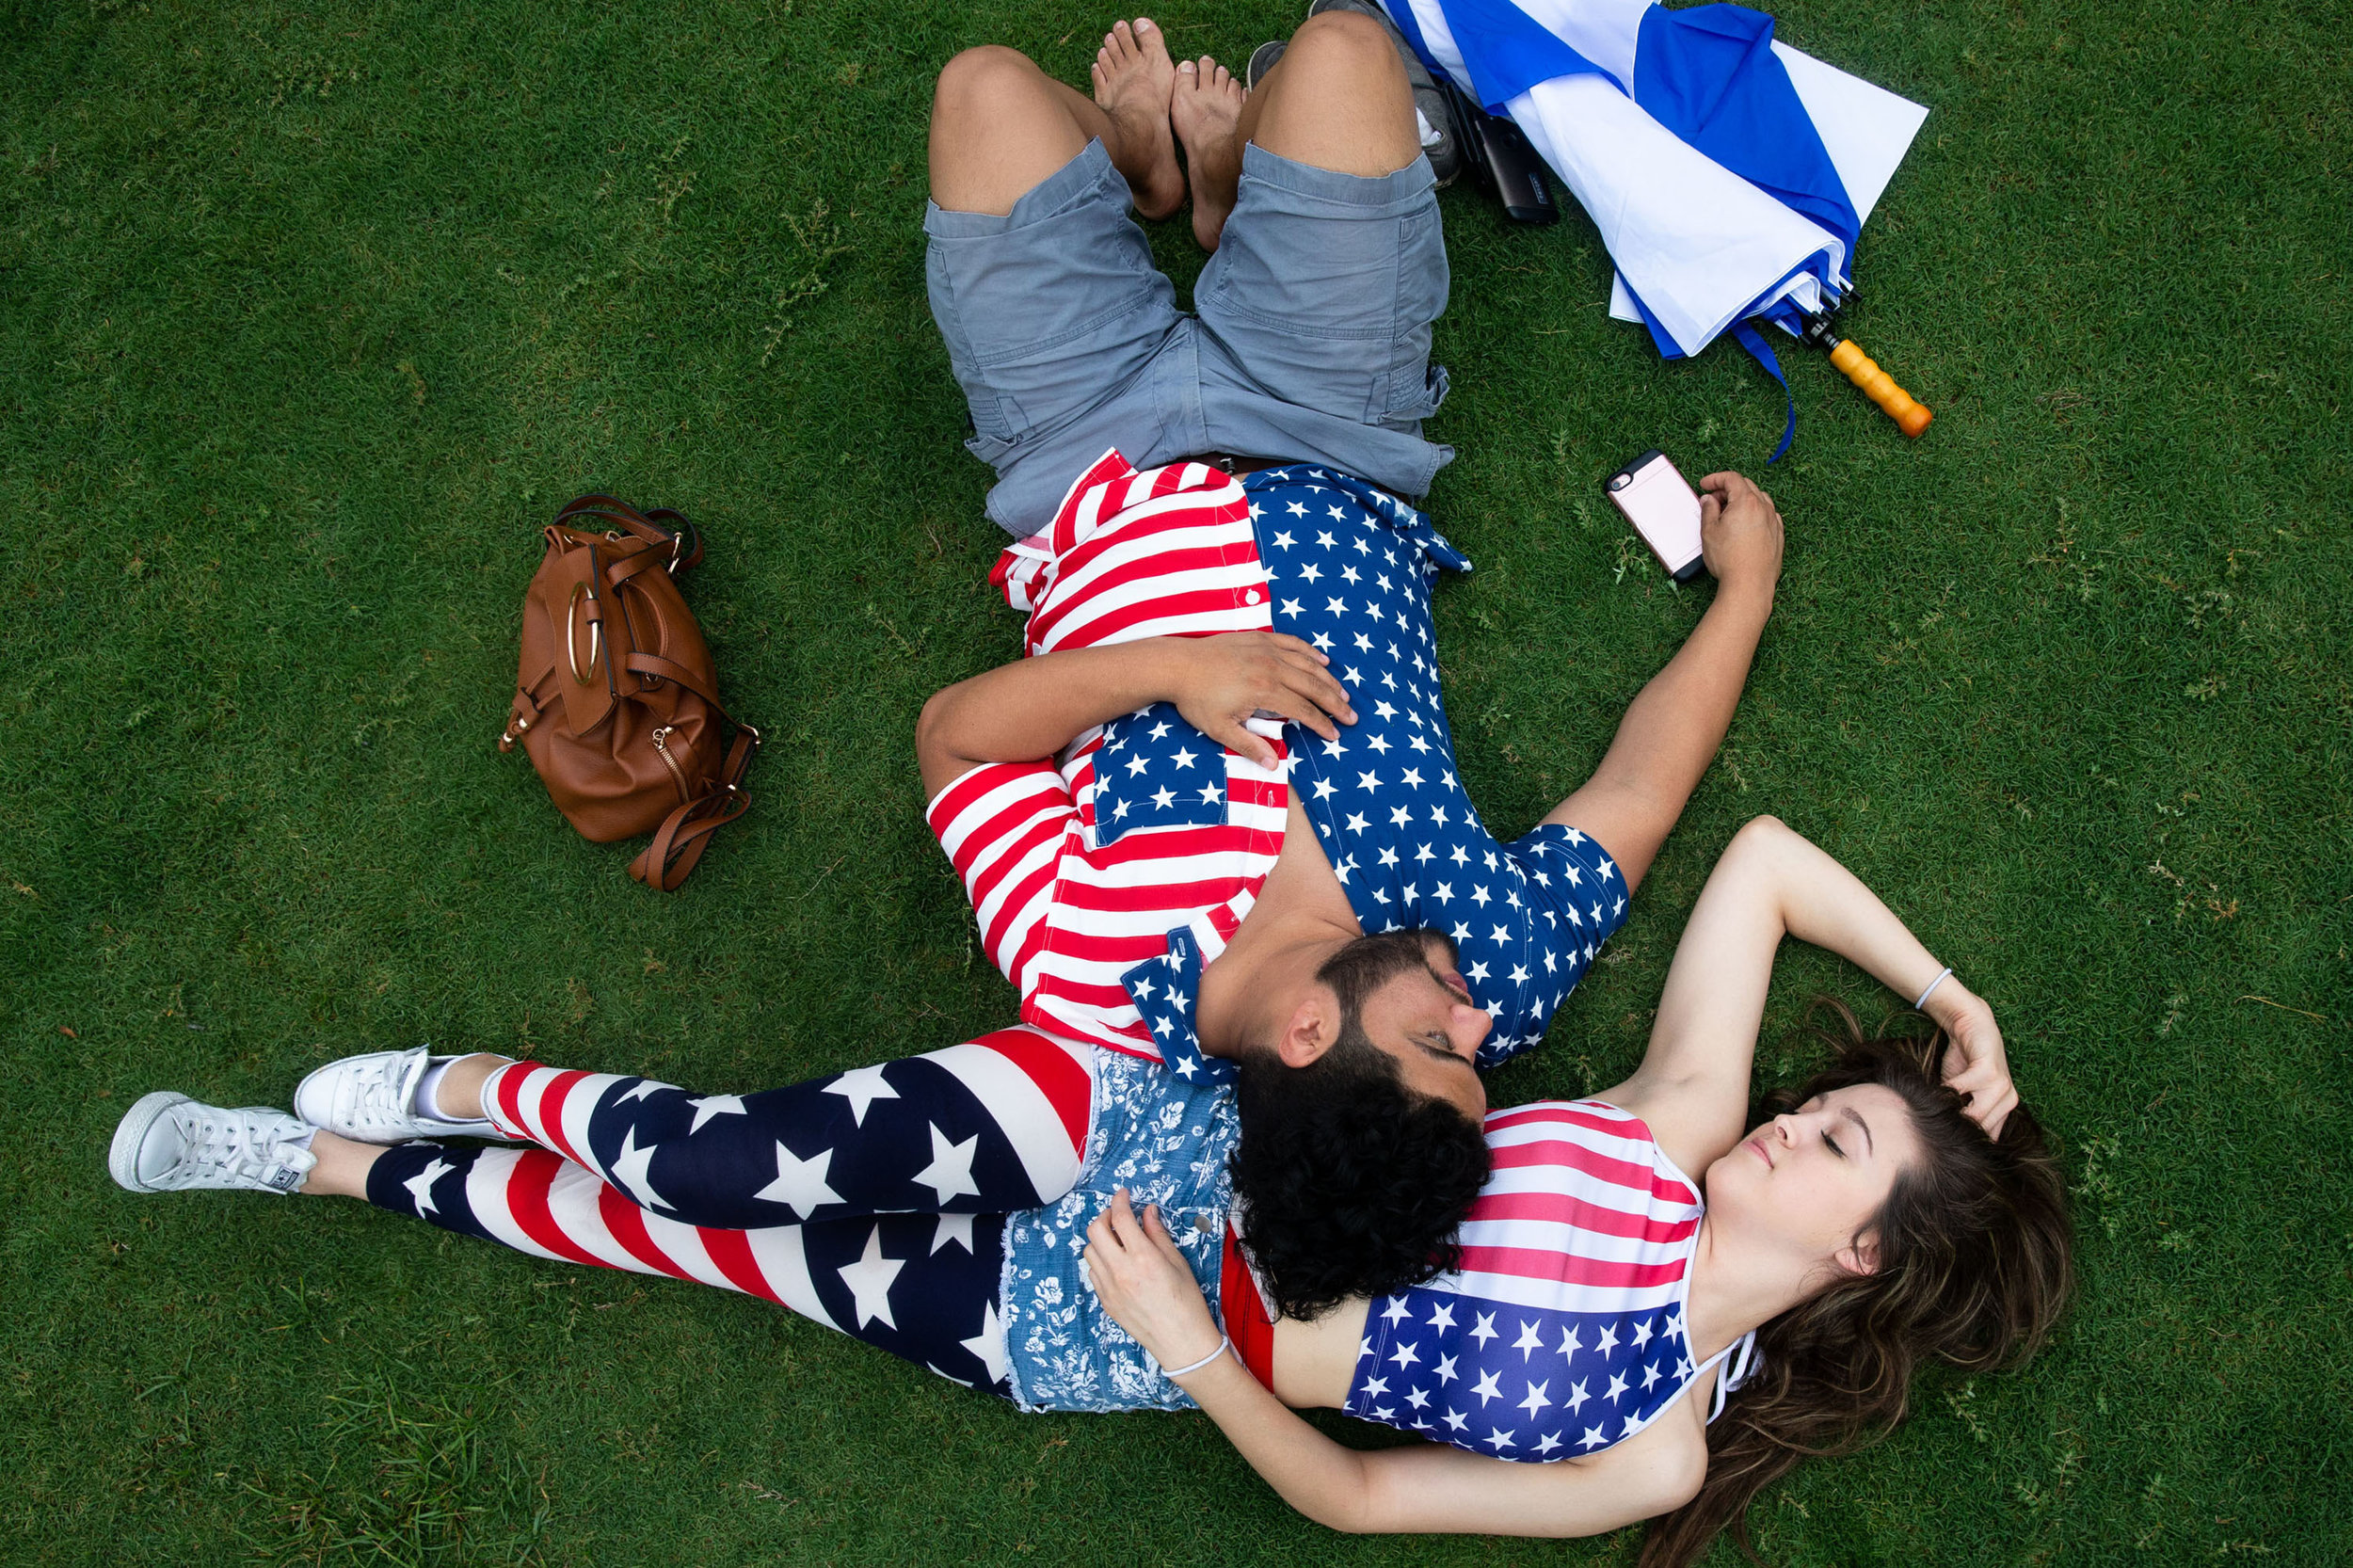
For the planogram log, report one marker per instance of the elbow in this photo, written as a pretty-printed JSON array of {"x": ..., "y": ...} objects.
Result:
[
  {"x": 1676, "y": 1480},
  {"x": 933, "y": 745},
  {"x": 1761, "y": 838},
  {"x": 1349, "y": 1517},
  {"x": 932, "y": 719},
  {"x": 1684, "y": 1487},
  {"x": 1345, "y": 1503}
]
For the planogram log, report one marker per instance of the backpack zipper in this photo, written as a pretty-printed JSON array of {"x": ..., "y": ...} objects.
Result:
[{"x": 662, "y": 745}]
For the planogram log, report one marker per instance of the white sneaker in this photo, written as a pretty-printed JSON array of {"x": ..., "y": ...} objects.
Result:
[
  {"x": 169, "y": 1143},
  {"x": 373, "y": 1099}
]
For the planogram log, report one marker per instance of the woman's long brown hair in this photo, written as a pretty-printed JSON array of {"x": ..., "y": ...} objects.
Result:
[{"x": 1974, "y": 1266}]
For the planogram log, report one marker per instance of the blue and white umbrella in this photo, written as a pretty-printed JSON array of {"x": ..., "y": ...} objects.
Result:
[{"x": 1729, "y": 174}]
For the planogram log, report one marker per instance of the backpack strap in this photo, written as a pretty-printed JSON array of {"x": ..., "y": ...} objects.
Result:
[
  {"x": 679, "y": 842},
  {"x": 665, "y": 526}
]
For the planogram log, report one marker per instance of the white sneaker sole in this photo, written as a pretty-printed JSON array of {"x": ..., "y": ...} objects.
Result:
[{"x": 122, "y": 1157}]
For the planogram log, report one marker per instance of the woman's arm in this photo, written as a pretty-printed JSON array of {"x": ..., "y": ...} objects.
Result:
[
  {"x": 1033, "y": 708},
  {"x": 1145, "y": 1284},
  {"x": 1693, "y": 1084}
]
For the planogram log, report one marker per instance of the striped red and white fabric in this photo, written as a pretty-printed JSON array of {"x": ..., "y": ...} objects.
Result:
[
  {"x": 538, "y": 1202},
  {"x": 1031, "y": 1090},
  {"x": 1166, "y": 551},
  {"x": 1026, "y": 1092},
  {"x": 1582, "y": 1212}
]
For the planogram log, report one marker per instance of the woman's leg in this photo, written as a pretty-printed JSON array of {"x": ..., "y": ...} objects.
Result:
[
  {"x": 922, "y": 1287},
  {"x": 987, "y": 1126}
]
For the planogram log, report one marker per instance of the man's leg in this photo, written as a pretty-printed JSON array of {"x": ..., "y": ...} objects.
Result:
[
  {"x": 991, "y": 1125},
  {"x": 1041, "y": 282},
  {"x": 1338, "y": 100},
  {"x": 999, "y": 125},
  {"x": 1330, "y": 266}
]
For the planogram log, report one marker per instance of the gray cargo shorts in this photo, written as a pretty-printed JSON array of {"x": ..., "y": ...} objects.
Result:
[{"x": 1311, "y": 343}]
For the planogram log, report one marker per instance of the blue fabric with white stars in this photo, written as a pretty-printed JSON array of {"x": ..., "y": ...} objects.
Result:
[
  {"x": 1155, "y": 770},
  {"x": 1351, "y": 569},
  {"x": 1163, "y": 990},
  {"x": 1518, "y": 1383}
]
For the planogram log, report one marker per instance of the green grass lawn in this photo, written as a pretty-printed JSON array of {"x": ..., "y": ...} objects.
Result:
[{"x": 311, "y": 315}]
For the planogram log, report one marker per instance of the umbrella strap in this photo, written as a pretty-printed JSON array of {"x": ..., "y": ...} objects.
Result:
[{"x": 1762, "y": 352}]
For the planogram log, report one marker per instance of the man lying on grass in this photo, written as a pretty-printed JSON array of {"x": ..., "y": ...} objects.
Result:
[{"x": 1212, "y": 831}]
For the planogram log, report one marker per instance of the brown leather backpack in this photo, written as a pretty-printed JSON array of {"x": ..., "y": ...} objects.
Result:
[{"x": 616, "y": 700}]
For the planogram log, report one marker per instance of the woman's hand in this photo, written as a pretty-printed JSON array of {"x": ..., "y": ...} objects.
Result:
[
  {"x": 1223, "y": 680},
  {"x": 1975, "y": 1061},
  {"x": 1145, "y": 1284}
]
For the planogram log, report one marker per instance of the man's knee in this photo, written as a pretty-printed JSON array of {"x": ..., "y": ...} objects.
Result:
[
  {"x": 1346, "y": 43},
  {"x": 979, "y": 80}
]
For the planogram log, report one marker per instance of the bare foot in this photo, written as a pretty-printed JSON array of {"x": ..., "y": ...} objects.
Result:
[
  {"x": 1133, "y": 76},
  {"x": 1204, "y": 110}
]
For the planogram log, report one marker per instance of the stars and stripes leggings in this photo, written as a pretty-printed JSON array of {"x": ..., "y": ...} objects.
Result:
[{"x": 872, "y": 1201}]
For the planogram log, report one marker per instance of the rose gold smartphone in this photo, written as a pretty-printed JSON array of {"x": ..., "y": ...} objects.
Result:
[{"x": 1664, "y": 509}]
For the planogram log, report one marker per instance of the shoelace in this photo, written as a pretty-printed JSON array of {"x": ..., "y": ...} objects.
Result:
[
  {"x": 389, "y": 1092},
  {"x": 237, "y": 1147}
]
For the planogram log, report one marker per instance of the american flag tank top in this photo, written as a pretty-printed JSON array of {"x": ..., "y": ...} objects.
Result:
[{"x": 1563, "y": 1331}]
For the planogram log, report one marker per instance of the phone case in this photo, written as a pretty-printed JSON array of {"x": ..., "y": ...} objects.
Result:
[{"x": 1664, "y": 510}]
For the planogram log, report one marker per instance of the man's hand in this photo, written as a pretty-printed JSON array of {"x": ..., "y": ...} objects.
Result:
[
  {"x": 1223, "y": 680},
  {"x": 1739, "y": 533},
  {"x": 1975, "y": 1061}
]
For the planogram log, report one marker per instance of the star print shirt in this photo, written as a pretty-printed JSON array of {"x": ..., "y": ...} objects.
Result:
[
  {"x": 1104, "y": 879},
  {"x": 1563, "y": 1331},
  {"x": 1349, "y": 568}
]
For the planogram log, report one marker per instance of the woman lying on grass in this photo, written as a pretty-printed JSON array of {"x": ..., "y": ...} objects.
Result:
[
  {"x": 1869, "y": 1223},
  {"x": 1877, "y": 1217}
]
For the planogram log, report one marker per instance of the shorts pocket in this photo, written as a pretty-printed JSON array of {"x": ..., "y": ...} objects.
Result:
[
  {"x": 996, "y": 417},
  {"x": 1415, "y": 398}
]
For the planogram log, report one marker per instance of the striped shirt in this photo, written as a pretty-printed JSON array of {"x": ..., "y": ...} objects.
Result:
[
  {"x": 1562, "y": 1331},
  {"x": 1143, "y": 836}
]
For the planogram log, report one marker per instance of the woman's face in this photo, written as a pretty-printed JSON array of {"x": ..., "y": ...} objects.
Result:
[{"x": 1815, "y": 1177}]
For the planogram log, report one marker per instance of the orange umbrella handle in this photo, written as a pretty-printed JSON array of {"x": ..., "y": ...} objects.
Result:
[{"x": 1910, "y": 416}]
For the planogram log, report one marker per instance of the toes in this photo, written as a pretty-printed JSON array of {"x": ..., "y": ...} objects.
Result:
[{"x": 1126, "y": 39}]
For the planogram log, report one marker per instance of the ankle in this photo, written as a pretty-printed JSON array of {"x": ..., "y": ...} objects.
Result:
[
  {"x": 342, "y": 1167},
  {"x": 456, "y": 1088}
]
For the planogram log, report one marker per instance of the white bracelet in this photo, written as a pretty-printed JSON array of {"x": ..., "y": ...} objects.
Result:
[
  {"x": 1224, "y": 1344},
  {"x": 1942, "y": 975}
]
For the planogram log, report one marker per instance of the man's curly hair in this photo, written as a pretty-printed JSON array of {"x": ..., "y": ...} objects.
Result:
[{"x": 1348, "y": 1183}]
